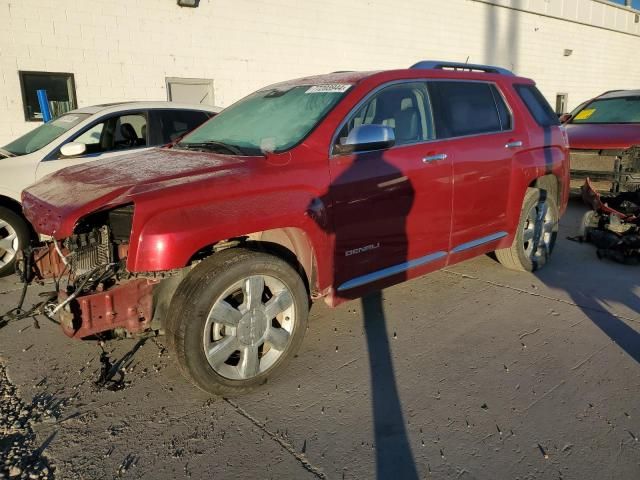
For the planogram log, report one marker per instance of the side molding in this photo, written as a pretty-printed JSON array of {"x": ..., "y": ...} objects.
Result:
[
  {"x": 408, "y": 265},
  {"x": 390, "y": 271},
  {"x": 478, "y": 241}
]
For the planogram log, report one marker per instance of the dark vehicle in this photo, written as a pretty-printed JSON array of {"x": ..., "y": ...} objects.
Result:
[{"x": 604, "y": 137}]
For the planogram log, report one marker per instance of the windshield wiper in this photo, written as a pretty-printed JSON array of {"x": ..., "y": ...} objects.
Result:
[
  {"x": 6, "y": 153},
  {"x": 213, "y": 146}
]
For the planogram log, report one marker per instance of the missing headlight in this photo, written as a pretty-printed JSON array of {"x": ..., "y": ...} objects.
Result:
[{"x": 120, "y": 223}]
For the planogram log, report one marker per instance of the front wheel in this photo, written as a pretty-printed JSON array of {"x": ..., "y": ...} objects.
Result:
[
  {"x": 536, "y": 235},
  {"x": 14, "y": 236},
  {"x": 236, "y": 320}
]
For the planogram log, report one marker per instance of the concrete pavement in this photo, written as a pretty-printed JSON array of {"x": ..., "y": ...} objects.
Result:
[{"x": 473, "y": 372}]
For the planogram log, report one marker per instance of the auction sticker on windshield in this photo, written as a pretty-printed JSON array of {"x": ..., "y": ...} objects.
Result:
[
  {"x": 329, "y": 88},
  {"x": 586, "y": 113}
]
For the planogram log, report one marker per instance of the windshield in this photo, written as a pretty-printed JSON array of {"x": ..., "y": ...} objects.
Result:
[
  {"x": 610, "y": 110},
  {"x": 44, "y": 134},
  {"x": 271, "y": 120}
]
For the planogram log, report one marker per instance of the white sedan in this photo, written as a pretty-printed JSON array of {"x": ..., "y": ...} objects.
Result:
[{"x": 80, "y": 136}]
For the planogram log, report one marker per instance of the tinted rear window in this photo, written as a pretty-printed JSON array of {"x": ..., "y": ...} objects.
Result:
[
  {"x": 465, "y": 108},
  {"x": 175, "y": 123},
  {"x": 537, "y": 105}
]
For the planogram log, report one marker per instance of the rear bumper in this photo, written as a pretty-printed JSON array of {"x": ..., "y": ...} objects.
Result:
[{"x": 126, "y": 306}]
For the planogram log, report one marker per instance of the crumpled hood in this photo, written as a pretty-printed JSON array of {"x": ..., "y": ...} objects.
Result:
[
  {"x": 603, "y": 136},
  {"x": 58, "y": 201}
]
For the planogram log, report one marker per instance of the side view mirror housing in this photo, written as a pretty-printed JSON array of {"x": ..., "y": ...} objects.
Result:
[
  {"x": 564, "y": 118},
  {"x": 73, "y": 149},
  {"x": 368, "y": 137}
]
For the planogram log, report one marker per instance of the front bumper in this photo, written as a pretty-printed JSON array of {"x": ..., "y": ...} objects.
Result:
[
  {"x": 609, "y": 170},
  {"x": 126, "y": 306}
]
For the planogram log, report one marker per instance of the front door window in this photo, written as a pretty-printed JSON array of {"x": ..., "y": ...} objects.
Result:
[{"x": 120, "y": 132}]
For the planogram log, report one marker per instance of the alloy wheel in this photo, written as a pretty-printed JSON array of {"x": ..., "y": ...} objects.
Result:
[
  {"x": 249, "y": 327},
  {"x": 8, "y": 243},
  {"x": 538, "y": 232}
]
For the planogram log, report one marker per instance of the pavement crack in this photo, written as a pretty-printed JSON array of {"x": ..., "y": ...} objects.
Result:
[
  {"x": 349, "y": 363},
  {"x": 526, "y": 334},
  {"x": 546, "y": 297},
  {"x": 545, "y": 395},
  {"x": 578, "y": 365},
  {"x": 574, "y": 368},
  {"x": 300, "y": 457}
]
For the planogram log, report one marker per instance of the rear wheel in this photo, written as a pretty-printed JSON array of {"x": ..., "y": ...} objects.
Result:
[
  {"x": 14, "y": 236},
  {"x": 236, "y": 320},
  {"x": 536, "y": 235}
]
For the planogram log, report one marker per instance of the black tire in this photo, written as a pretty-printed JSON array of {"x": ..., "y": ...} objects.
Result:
[
  {"x": 18, "y": 225},
  {"x": 194, "y": 299},
  {"x": 520, "y": 256}
]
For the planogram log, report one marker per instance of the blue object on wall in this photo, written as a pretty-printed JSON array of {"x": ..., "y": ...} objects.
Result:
[{"x": 44, "y": 105}]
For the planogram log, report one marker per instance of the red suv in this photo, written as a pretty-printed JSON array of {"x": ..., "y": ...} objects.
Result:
[
  {"x": 604, "y": 134},
  {"x": 323, "y": 187}
]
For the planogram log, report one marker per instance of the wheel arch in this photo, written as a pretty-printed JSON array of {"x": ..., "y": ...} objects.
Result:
[
  {"x": 291, "y": 244},
  {"x": 549, "y": 183},
  {"x": 11, "y": 204},
  {"x": 15, "y": 206}
]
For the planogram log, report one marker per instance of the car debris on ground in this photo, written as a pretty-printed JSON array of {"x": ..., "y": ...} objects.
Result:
[{"x": 613, "y": 225}]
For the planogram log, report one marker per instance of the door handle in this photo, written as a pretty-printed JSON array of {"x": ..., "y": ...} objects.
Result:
[
  {"x": 514, "y": 144},
  {"x": 434, "y": 158}
]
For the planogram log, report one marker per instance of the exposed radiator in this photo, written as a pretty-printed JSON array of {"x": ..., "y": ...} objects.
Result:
[{"x": 609, "y": 170}]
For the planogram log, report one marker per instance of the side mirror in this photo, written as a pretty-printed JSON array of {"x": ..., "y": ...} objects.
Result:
[
  {"x": 564, "y": 118},
  {"x": 73, "y": 149},
  {"x": 368, "y": 137}
]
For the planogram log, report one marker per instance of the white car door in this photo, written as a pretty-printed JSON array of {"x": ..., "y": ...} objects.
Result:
[{"x": 112, "y": 136}]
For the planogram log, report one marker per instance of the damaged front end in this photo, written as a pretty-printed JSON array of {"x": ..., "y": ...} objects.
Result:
[
  {"x": 613, "y": 224},
  {"x": 610, "y": 171},
  {"x": 97, "y": 296}
]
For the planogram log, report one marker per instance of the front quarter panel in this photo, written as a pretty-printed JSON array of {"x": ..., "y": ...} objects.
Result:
[
  {"x": 12, "y": 194},
  {"x": 171, "y": 226},
  {"x": 17, "y": 174}
]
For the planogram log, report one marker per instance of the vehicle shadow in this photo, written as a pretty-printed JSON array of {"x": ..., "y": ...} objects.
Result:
[
  {"x": 606, "y": 292},
  {"x": 389, "y": 203}
]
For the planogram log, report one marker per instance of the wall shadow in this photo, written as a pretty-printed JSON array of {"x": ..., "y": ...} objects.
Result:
[{"x": 502, "y": 48}]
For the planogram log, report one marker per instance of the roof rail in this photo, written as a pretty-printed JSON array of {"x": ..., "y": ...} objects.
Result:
[{"x": 437, "y": 65}]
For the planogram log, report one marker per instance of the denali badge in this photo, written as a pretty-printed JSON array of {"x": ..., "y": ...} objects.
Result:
[{"x": 366, "y": 248}]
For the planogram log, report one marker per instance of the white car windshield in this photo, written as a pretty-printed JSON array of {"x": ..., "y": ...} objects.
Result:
[
  {"x": 270, "y": 120},
  {"x": 44, "y": 134}
]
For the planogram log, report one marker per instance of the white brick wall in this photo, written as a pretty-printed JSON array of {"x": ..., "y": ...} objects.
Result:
[{"x": 124, "y": 50}]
